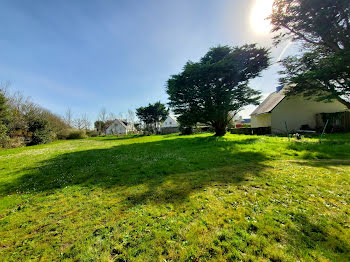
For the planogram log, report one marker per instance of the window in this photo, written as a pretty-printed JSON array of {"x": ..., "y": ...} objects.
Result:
[
  {"x": 169, "y": 123},
  {"x": 166, "y": 123}
]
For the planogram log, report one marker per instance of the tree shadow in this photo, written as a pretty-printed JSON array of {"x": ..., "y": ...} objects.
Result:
[
  {"x": 116, "y": 137},
  {"x": 327, "y": 150},
  {"x": 331, "y": 164},
  {"x": 312, "y": 236},
  {"x": 168, "y": 170}
]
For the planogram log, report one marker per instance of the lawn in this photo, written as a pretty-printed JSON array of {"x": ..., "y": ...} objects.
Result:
[{"x": 177, "y": 198}]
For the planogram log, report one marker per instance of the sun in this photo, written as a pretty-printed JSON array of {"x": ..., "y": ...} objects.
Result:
[{"x": 261, "y": 10}]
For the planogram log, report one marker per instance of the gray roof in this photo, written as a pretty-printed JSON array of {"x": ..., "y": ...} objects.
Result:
[{"x": 269, "y": 103}]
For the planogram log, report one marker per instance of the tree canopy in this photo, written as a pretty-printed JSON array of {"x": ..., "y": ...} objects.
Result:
[
  {"x": 152, "y": 114},
  {"x": 206, "y": 91},
  {"x": 323, "y": 29}
]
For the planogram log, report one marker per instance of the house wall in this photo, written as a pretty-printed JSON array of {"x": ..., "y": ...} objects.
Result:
[
  {"x": 116, "y": 128},
  {"x": 263, "y": 120},
  {"x": 169, "y": 122},
  {"x": 298, "y": 111},
  {"x": 169, "y": 130}
]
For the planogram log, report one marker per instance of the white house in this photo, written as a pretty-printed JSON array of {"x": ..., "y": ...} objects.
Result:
[
  {"x": 170, "y": 125},
  {"x": 293, "y": 113},
  {"x": 119, "y": 127},
  {"x": 169, "y": 122}
]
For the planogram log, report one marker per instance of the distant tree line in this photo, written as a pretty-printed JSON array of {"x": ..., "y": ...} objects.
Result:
[{"x": 23, "y": 122}]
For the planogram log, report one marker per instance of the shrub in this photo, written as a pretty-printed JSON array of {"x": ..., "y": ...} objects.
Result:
[
  {"x": 41, "y": 133},
  {"x": 77, "y": 134},
  {"x": 63, "y": 134},
  {"x": 186, "y": 130},
  {"x": 91, "y": 133},
  {"x": 17, "y": 141},
  {"x": 4, "y": 138}
]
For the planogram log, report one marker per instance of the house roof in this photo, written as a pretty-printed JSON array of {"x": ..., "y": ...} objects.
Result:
[
  {"x": 269, "y": 103},
  {"x": 275, "y": 98},
  {"x": 171, "y": 117},
  {"x": 123, "y": 123}
]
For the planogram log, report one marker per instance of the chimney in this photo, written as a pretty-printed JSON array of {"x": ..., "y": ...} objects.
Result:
[{"x": 279, "y": 88}]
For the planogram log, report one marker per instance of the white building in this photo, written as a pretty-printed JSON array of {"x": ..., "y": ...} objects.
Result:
[
  {"x": 170, "y": 125},
  {"x": 119, "y": 127},
  {"x": 293, "y": 113},
  {"x": 169, "y": 122}
]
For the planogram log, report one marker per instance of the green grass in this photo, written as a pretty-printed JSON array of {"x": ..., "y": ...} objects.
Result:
[{"x": 181, "y": 198}]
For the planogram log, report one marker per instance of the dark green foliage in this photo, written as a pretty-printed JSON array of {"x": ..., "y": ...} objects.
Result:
[
  {"x": 4, "y": 138},
  {"x": 39, "y": 131},
  {"x": 186, "y": 130},
  {"x": 4, "y": 119},
  {"x": 100, "y": 126},
  {"x": 207, "y": 91},
  {"x": 4, "y": 109},
  {"x": 152, "y": 115},
  {"x": 323, "y": 29}
]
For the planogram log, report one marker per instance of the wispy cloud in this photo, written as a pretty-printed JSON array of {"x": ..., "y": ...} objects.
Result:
[{"x": 284, "y": 51}]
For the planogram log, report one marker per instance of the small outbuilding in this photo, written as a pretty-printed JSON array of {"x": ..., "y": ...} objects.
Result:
[
  {"x": 119, "y": 127},
  {"x": 281, "y": 113}
]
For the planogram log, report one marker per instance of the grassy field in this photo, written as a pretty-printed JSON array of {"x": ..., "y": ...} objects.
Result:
[{"x": 181, "y": 198}]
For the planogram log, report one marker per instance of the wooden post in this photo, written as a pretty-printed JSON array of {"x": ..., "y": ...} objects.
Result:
[
  {"x": 285, "y": 122},
  {"x": 324, "y": 130}
]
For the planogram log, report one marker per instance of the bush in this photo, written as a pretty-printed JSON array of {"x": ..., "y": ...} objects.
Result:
[
  {"x": 63, "y": 134},
  {"x": 41, "y": 133},
  {"x": 41, "y": 137},
  {"x": 4, "y": 138},
  {"x": 186, "y": 130},
  {"x": 77, "y": 134},
  {"x": 91, "y": 133},
  {"x": 17, "y": 141}
]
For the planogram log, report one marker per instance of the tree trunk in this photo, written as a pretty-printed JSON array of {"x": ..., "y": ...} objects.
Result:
[{"x": 220, "y": 128}]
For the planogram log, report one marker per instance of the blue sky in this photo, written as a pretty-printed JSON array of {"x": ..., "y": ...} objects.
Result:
[{"x": 86, "y": 55}]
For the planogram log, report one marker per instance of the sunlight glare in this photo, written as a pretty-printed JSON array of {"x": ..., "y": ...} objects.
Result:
[{"x": 261, "y": 10}]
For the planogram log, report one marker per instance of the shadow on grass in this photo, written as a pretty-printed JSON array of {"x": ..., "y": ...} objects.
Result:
[
  {"x": 310, "y": 237},
  {"x": 115, "y": 137},
  {"x": 326, "y": 150},
  {"x": 169, "y": 170}
]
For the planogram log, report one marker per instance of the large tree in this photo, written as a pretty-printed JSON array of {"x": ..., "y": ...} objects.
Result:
[
  {"x": 322, "y": 27},
  {"x": 152, "y": 114},
  {"x": 207, "y": 91}
]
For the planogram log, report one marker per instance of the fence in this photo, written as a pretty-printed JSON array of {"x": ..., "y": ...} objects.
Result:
[
  {"x": 169, "y": 130},
  {"x": 251, "y": 131},
  {"x": 337, "y": 122}
]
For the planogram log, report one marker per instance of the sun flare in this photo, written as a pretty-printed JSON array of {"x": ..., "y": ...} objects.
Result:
[{"x": 261, "y": 10}]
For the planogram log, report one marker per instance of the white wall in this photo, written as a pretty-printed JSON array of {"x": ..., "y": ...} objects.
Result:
[
  {"x": 169, "y": 122},
  {"x": 263, "y": 120},
  {"x": 116, "y": 128},
  {"x": 297, "y": 111}
]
